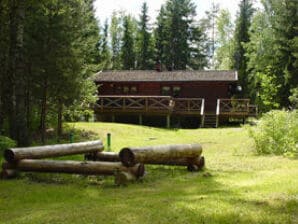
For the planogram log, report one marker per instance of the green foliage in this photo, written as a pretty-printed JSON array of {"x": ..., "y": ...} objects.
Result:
[
  {"x": 223, "y": 54},
  {"x": 294, "y": 97},
  {"x": 116, "y": 36},
  {"x": 145, "y": 46},
  {"x": 267, "y": 90},
  {"x": 6, "y": 143},
  {"x": 276, "y": 133},
  {"x": 241, "y": 37},
  {"x": 179, "y": 40},
  {"x": 128, "y": 44}
]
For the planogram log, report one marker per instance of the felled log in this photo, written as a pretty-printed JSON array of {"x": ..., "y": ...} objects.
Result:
[
  {"x": 74, "y": 167},
  {"x": 38, "y": 152},
  {"x": 8, "y": 174},
  {"x": 103, "y": 156},
  {"x": 159, "y": 154},
  {"x": 192, "y": 164}
]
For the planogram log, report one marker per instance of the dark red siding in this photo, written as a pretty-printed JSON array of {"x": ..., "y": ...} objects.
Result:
[{"x": 210, "y": 91}]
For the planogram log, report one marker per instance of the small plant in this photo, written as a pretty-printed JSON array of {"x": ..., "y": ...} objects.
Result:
[
  {"x": 276, "y": 133},
  {"x": 5, "y": 143}
]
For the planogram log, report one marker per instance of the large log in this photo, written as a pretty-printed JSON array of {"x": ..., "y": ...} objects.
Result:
[
  {"x": 159, "y": 154},
  {"x": 75, "y": 167},
  {"x": 192, "y": 164},
  {"x": 103, "y": 156},
  {"x": 39, "y": 152}
]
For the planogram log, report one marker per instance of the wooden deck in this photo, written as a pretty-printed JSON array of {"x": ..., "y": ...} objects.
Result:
[
  {"x": 168, "y": 106},
  {"x": 150, "y": 105}
]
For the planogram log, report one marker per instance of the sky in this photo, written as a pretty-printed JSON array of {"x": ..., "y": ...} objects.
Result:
[{"x": 104, "y": 8}]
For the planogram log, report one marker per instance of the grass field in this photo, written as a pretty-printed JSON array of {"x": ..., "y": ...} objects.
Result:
[{"x": 237, "y": 186}]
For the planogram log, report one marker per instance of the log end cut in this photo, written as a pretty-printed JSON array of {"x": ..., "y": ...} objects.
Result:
[
  {"x": 197, "y": 166},
  {"x": 127, "y": 157},
  {"x": 9, "y": 155}
]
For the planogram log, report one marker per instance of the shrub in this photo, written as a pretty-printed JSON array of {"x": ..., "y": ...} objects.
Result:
[
  {"x": 5, "y": 143},
  {"x": 276, "y": 133}
]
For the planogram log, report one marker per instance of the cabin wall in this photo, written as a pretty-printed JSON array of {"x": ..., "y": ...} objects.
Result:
[{"x": 210, "y": 91}]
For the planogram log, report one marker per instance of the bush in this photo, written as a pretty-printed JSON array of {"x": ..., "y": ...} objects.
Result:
[
  {"x": 276, "y": 133},
  {"x": 5, "y": 143}
]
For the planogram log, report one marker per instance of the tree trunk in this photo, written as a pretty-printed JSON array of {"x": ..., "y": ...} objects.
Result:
[
  {"x": 43, "y": 112},
  {"x": 49, "y": 151},
  {"x": 76, "y": 167},
  {"x": 18, "y": 119},
  {"x": 158, "y": 154},
  {"x": 59, "y": 120},
  {"x": 103, "y": 156}
]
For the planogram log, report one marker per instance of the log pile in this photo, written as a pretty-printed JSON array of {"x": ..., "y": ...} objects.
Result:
[
  {"x": 126, "y": 166},
  {"x": 28, "y": 160},
  {"x": 188, "y": 155}
]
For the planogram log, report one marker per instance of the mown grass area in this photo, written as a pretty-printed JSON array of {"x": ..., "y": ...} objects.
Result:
[{"x": 237, "y": 186}]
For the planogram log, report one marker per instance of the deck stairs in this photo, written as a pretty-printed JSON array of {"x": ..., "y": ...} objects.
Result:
[{"x": 209, "y": 121}]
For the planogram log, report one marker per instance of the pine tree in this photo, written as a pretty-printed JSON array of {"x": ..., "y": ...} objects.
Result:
[
  {"x": 104, "y": 48},
  {"x": 223, "y": 54},
  {"x": 116, "y": 36},
  {"x": 243, "y": 23},
  {"x": 209, "y": 27},
  {"x": 160, "y": 37},
  {"x": 177, "y": 34},
  {"x": 127, "y": 48},
  {"x": 144, "y": 41}
]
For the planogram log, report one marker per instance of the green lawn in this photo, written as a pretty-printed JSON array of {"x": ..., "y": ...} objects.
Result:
[{"x": 237, "y": 186}]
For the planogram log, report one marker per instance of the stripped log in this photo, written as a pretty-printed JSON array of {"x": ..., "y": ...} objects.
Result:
[
  {"x": 75, "y": 167},
  {"x": 192, "y": 164},
  {"x": 38, "y": 152},
  {"x": 8, "y": 173},
  {"x": 103, "y": 156},
  {"x": 159, "y": 154}
]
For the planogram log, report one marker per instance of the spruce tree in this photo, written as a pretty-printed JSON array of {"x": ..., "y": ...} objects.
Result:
[
  {"x": 116, "y": 36},
  {"x": 144, "y": 41},
  {"x": 243, "y": 23},
  {"x": 128, "y": 48}
]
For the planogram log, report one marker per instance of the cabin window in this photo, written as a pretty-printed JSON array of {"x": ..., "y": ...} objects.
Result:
[
  {"x": 166, "y": 91},
  {"x": 118, "y": 90},
  {"x": 133, "y": 89},
  {"x": 125, "y": 89},
  {"x": 176, "y": 91}
]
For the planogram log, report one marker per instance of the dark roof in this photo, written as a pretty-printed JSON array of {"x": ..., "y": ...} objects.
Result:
[{"x": 167, "y": 76}]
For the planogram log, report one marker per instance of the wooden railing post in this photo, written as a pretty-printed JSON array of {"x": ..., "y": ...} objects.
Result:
[
  {"x": 101, "y": 104},
  {"x": 123, "y": 103},
  {"x": 217, "y": 112}
]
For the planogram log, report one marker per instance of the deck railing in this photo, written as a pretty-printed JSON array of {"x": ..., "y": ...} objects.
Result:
[
  {"x": 253, "y": 110},
  {"x": 150, "y": 104},
  {"x": 136, "y": 103},
  {"x": 189, "y": 105},
  {"x": 232, "y": 107}
]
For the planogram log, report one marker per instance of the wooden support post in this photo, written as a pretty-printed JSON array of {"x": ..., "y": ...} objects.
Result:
[
  {"x": 217, "y": 121},
  {"x": 140, "y": 119},
  {"x": 202, "y": 120},
  {"x": 113, "y": 118},
  {"x": 168, "y": 121}
]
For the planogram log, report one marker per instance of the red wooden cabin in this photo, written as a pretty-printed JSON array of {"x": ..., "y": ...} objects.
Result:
[{"x": 202, "y": 94}]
